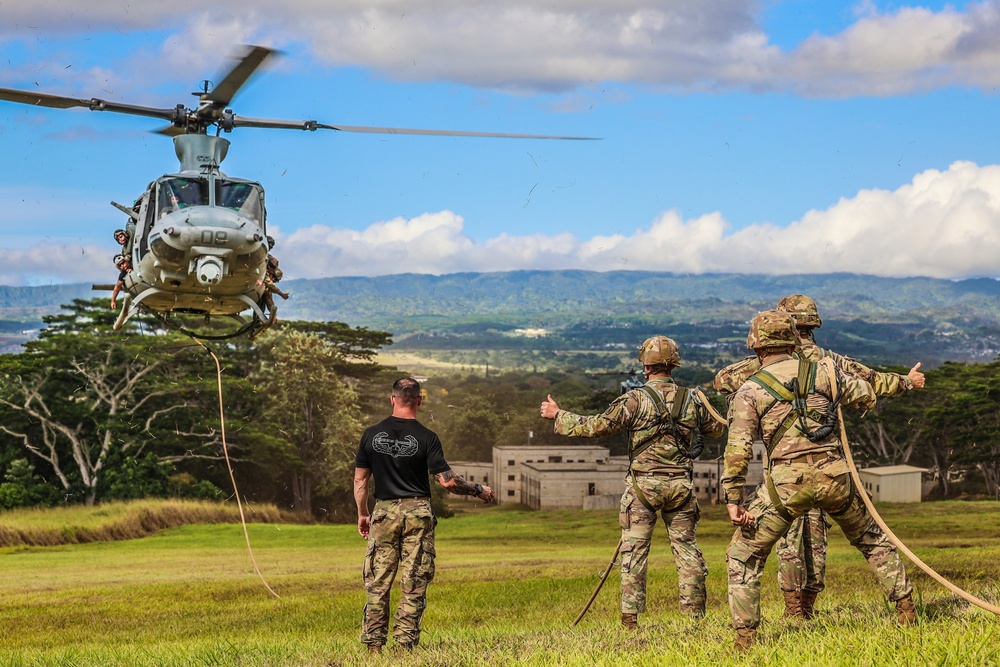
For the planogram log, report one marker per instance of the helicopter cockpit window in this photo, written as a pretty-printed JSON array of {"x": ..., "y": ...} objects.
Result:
[
  {"x": 242, "y": 197},
  {"x": 177, "y": 193}
]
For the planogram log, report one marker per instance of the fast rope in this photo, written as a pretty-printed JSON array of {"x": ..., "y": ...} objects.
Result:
[
  {"x": 895, "y": 540},
  {"x": 229, "y": 465}
]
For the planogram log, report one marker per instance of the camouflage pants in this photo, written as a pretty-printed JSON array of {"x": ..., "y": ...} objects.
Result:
[
  {"x": 802, "y": 554},
  {"x": 678, "y": 506},
  {"x": 801, "y": 487},
  {"x": 401, "y": 539}
]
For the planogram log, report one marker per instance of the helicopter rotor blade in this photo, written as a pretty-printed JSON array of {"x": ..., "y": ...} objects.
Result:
[
  {"x": 94, "y": 104},
  {"x": 223, "y": 93},
  {"x": 312, "y": 125},
  {"x": 42, "y": 99}
]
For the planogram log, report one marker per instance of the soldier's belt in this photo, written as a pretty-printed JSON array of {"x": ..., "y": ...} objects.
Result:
[
  {"x": 669, "y": 475},
  {"x": 809, "y": 458}
]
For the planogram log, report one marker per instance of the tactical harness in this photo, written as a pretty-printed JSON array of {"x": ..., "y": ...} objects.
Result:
[
  {"x": 668, "y": 418},
  {"x": 795, "y": 392}
]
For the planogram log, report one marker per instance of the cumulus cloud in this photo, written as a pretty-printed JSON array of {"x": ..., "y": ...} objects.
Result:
[
  {"x": 546, "y": 45},
  {"x": 944, "y": 224}
]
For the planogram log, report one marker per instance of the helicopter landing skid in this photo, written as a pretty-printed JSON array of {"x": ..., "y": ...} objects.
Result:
[{"x": 254, "y": 327}]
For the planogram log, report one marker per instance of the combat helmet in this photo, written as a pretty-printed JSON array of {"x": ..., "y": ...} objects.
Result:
[
  {"x": 802, "y": 309},
  {"x": 771, "y": 328},
  {"x": 119, "y": 259},
  {"x": 659, "y": 351}
]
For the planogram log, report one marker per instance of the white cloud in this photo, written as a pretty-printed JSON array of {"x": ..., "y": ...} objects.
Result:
[
  {"x": 944, "y": 224},
  {"x": 532, "y": 45}
]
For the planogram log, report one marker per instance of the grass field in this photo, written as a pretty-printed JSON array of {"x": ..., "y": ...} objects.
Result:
[{"x": 508, "y": 586}]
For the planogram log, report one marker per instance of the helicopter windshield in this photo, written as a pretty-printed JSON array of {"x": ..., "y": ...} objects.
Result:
[
  {"x": 242, "y": 197},
  {"x": 177, "y": 193}
]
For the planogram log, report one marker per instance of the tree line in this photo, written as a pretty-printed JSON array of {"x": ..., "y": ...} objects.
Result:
[{"x": 88, "y": 414}]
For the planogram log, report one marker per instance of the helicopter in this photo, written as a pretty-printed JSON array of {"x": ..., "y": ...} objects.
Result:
[{"x": 198, "y": 242}]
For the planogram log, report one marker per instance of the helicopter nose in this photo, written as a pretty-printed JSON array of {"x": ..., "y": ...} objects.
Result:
[{"x": 209, "y": 270}]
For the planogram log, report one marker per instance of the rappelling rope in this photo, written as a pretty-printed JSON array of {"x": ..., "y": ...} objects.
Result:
[
  {"x": 229, "y": 465},
  {"x": 878, "y": 519}
]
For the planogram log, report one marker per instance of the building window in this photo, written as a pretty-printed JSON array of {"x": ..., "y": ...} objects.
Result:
[
  {"x": 591, "y": 489},
  {"x": 510, "y": 463},
  {"x": 486, "y": 479},
  {"x": 510, "y": 478},
  {"x": 555, "y": 459},
  {"x": 510, "y": 492},
  {"x": 471, "y": 478}
]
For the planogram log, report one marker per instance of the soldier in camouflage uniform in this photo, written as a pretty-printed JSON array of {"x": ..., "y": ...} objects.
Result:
[
  {"x": 802, "y": 551},
  {"x": 665, "y": 424},
  {"x": 791, "y": 404},
  {"x": 400, "y": 452}
]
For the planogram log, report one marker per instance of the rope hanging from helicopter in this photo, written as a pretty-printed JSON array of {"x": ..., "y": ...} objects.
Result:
[{"x": 229, "y": 465}]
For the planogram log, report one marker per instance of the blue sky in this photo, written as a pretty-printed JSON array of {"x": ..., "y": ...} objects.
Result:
[{"x": 736, "y": 136}]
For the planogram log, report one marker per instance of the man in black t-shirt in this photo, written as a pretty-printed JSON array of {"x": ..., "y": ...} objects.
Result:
[{"x": 400, "y": 453}]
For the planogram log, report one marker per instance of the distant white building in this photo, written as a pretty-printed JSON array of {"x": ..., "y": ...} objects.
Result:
[
  {"x": 508, "y": 461},
  {"x": 893, "y": 484},
  {"x": 580, "y": 476},
  {"x": 572, "y": 485}
]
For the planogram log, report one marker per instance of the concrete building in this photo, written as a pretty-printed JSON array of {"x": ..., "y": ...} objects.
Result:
[
  {"x": 585, "y": 477},
  {"x": 574, "y": 485},
  {"x": 508, "y": 462},
  {"x": 893, "y": 484}
]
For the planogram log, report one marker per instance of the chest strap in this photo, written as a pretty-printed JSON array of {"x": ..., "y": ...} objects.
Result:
[{"x": 794, "y": 393}]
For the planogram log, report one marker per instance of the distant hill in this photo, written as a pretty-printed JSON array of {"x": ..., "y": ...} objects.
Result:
[
  {"x": 886, "y": 320},
  {"x": 388, "y": 298}
]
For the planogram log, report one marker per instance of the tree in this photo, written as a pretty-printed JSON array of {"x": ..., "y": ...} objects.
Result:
[
  {"x": 81, "y": 393},
  {"x": 313, "y": 413}
]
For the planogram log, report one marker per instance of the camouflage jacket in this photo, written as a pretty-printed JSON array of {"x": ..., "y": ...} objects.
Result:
[
  {"x": 751, "y": 419},
  {"x": 732, "y": 377},
  {"x": 635, "y": 412}
]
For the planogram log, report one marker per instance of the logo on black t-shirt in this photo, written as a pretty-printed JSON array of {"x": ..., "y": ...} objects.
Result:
[{"x": 383, "y": 444}]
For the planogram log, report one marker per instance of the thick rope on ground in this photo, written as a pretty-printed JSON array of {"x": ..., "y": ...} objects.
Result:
[
  {"x": 229, "y": 465},
  {"x": 895, "y": 540}
]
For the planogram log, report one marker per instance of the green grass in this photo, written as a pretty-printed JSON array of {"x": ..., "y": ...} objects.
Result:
[{"x": 508, "y": 586}]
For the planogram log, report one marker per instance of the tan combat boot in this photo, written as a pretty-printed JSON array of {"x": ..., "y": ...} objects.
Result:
[
  {"x": 793, "y": 604},
  {"x": 630, "y": 621},
  {"x": 745, "y": 639},
  {"x": 906, "y": 612},
  {"x": 808, "y": 604}
]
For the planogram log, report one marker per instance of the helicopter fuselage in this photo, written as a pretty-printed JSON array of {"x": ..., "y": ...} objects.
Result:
[{"x": 200, "y": 240}]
